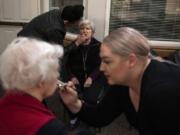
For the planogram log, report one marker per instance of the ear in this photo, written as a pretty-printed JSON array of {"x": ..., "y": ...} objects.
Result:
[
  {"x": 40, "y": 84},
  {"x": 132, "y": 59}
]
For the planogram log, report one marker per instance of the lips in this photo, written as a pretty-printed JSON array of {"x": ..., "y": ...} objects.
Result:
[{"x": 107, "y": 75}]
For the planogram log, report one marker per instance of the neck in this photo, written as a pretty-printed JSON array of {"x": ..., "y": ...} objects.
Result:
[
  {"x": 35, "y": 93},
  {"x": 137, "y": 78}
]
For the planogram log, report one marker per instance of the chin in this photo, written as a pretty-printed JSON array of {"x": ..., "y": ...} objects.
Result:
[{"x": 111, "y": 82}]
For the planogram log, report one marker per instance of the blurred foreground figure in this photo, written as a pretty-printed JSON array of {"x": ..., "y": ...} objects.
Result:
[{"x": 29, "y": 74}]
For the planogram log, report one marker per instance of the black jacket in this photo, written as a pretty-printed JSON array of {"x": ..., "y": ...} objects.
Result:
[
  {"x": 53, "y": 127},
  {"x": 47, "y": 27},
  {"x": 84, "y": 61},
  {"x": 159, "y": 106}
]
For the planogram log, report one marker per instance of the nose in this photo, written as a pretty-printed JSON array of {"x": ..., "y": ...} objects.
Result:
[{"x": 84, "y": 30}]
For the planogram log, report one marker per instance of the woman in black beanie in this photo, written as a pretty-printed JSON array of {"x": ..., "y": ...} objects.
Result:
[
  {"x": 51, "y": 26},
  {"x": 72, "y": 13}
]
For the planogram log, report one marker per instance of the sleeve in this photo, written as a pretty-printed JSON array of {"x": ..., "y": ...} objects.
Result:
[
  {"x": 110, "y": 107},
  {"x": 66, "y": 59},
  {"x": 69, "y": 48},
  {"x": 53, "y": 127},
  {"x": 162, "y": 107},
  {"x": 95, "y": 73},
  {"x": 55, "y": 36}
]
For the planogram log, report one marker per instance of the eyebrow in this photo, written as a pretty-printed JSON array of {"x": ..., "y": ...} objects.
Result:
[{"x": 105, "y": 57}]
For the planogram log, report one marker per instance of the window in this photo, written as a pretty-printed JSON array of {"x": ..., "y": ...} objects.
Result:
[
  {"x": 59, "y": 4},
  {"x": 156, "y": 19}
]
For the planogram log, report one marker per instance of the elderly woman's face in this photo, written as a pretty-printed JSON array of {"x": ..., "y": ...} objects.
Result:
[
  {"x": 115, "y": 67},
  {"x": 50, "y": 86},
  {"x": 86, "y": 31}
]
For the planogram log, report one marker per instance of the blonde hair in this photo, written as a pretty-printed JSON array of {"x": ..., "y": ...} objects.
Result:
[
  {"x": 26, "y": 62},
  {"x": 124, "y": 41}
]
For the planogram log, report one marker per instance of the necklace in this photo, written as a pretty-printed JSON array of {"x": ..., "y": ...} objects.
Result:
[{"x": 84, "y": 52}]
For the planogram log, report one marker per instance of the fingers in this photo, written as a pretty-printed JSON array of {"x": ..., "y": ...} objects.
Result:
[
  {"x": 61, "y": 84},
  {"x": 70, "y": 84},
  {"x": 68, "y": 88},
  {"x": 83, "y": 37},
  {"x": 75, "y": 81},
  {"x": 87, "y": 85}
]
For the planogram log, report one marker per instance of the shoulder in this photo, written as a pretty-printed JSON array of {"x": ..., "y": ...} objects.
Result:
[
  {"x": 95, "y": 41},
  {"x": 53, "y": 127},
  {"x": 161, "y": 72},
  {"x": 161, "y": 79},
  {"x": 56, "y": 12},
  {"x": 161, "y": 82}
]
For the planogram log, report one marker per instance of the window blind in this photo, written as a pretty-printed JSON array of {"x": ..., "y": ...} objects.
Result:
[{"x": 156, "y": 19}]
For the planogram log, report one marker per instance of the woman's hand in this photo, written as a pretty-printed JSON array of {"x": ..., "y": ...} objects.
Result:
[
  {"x": 81, "y": 39},
  {"x": 70, "y": 97},
  {"x": 88, "y": 82},
  {"x": 75, "y": 81}
]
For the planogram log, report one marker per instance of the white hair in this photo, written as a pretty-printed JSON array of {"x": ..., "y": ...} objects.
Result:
[
  {"x": 26, "y": 62},
  {"x": 87, "y": 22}
]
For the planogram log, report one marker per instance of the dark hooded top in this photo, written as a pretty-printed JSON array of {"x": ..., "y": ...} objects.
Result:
[{"x": 47, "y": 27}]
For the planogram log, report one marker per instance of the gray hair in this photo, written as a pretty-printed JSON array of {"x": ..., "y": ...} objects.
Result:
[
  {"x": 26, "y": 62},
  {"x": 87, "y": 22},
  {"x": 124, "y": 41}
]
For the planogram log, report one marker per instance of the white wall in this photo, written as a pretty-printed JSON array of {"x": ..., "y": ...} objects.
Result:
[
  {"x": 98, "y": 12},
  {"x": 7, "y": 34}
]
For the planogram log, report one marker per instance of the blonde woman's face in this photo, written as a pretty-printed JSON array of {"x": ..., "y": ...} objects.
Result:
[
  {"x": 86, "y": 31},
  {"x": 115, "y": 67}
]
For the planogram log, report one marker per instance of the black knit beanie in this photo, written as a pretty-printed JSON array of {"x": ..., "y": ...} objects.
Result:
[{"x": 72, "y": 13}]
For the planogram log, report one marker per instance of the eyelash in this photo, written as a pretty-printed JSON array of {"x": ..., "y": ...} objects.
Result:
[{"x": 106, "y": 62}]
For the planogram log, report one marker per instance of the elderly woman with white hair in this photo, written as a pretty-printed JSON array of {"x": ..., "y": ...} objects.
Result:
[
  {"x": 29, "y": 74},
  {"x": 147, "y": 90},
  {"x": 83, "y": 62}
]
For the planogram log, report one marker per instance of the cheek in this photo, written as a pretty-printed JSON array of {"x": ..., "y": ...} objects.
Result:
[
  {"x": 115, "y": 68},
  {"x": 52, "y": 87},
  {"x": 118, "y": 72},
  {"x": 90, "y": 33},
  {"x": 81, "y": 32},
  {"x": 54, "y": 84}
]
